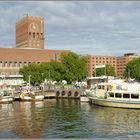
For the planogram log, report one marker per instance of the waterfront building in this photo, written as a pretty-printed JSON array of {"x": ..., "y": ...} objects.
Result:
[
  {"x": 93, "y": 61},
  {"x": 122, "y": 62},
  {"x": 30, "y": 32},
  {"x": 119, "y": 63},
  {"x": 29, "y": 48}
]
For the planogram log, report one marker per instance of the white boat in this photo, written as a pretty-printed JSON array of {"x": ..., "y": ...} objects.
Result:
[
  {"x": 31, "y": 97},
  {"x": 6, "y": 99},
  {"x": 84, "y": 98},
  {"x": 6, "y": 96},
  {"x": 105, "y": 95}
]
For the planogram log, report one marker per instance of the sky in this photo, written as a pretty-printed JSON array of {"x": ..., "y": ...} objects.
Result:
[{"x": 85, "y": 27}]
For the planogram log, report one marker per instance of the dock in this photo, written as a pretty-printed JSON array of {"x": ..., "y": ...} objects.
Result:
[{"x": 56, "y": 93}]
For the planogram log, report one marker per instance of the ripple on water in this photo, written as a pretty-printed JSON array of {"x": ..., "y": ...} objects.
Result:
[{"x": 63, "y": 118}]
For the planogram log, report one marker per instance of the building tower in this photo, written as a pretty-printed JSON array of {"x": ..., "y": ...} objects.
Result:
[{"x": 30, "y": 32}]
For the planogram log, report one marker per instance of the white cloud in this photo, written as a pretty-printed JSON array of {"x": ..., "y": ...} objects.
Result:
[{"x": 81, "y": 26}]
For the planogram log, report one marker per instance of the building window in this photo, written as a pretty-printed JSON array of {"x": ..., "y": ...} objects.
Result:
[
  {"x": 5, "y": 64},
  {"x": 10, "y": 64},
  {"x": 25, "y": 63},
  {"x": 0, "y": 64},
  {"x": 18, "y": 65},
  {"x": 15, "y": 64},
  {"x": 33, "y": 35}
]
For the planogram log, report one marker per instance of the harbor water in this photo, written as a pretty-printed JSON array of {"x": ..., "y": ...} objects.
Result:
[{"x": 67, "y": 118}]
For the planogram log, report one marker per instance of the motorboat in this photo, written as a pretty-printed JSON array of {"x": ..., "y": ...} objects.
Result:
[
  {"x": 106, "y": 95},
  {"x": 84, "y": 97},
  {"x": 6, "y": 97},
  {"x": 31, "y": 96}
]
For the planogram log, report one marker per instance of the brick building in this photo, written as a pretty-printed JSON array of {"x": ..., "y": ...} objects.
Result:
[
  {"x": 29, "y": 47},
  {"x": 122, "y": 62},
  {"x": 119, "y": 63},
  {"x": 97, "y": 60},
  {"x": 30, "y": 32}
]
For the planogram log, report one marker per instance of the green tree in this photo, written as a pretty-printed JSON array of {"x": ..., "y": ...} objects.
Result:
[
  {"x": 109, "y": 71},
  {"x": 34, "y": 71},
  {"x": 71, "y": 68},
  {"x": 53, "y": 70},
  {"x": 75, "y": 66},
  {"x": 133, "y": 69}
]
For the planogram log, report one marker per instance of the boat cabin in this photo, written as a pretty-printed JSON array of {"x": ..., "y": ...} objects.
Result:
[
  {"x": 123, "y": 95},
  {"x": 104, "y": 86},
  {"x": 102, "y": 89},
  {"x": 92, "y": 81}
]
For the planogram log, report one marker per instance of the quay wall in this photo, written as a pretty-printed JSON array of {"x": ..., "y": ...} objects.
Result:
[
  {"x": 57, "y": 93},
  {"x": 63, "y": 93}
]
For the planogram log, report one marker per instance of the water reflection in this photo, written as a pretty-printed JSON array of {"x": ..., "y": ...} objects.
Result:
[
  {"x": 25, "y": 119},
  {"x": 63, "y": 118},
  {"x": 115, "y": 122},
  {"x": 29, "y": 119}
]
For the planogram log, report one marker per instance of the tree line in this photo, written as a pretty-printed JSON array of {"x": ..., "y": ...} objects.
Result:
[{"x": 72, "y": 67}]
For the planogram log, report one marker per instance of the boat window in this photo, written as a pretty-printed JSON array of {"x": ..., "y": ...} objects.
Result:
[
  {"x": 111, "y": 94},
  {"x": 118, "y": 95},
  {"x": 135, "y": 96},
  {"x": 125, "y": 95}
]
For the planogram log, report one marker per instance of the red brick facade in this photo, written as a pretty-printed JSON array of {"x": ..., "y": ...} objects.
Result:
[
  {"x": 119, "y": 63},
  {"x": 30, "y": 32},
  {"x": 29, "y": 47},
  {"x": 12, "y": 59},
  {"x": 97, "y": 60}
]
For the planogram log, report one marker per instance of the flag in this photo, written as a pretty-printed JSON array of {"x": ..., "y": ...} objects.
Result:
[{"x": 100, "y": 66}]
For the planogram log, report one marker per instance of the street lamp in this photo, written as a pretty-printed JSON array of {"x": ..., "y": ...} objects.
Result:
[
  {"x": 42, "y": 76},
  {"x": 42, "y": 81},
  {"x": 29, "y": 82},
  {"x": 49, "y": 75}
]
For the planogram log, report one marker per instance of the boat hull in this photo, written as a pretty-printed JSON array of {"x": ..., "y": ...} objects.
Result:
[
  {"x": 84, "y": 99},
  {"x": 6, "y": 100},
  {"x": 28, "y": 98},
  {"x": 119, "y": 104}
]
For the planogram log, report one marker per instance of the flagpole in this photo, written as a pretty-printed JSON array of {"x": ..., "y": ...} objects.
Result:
[
  {"x": 105, "y": 70},
  {"x": 95, "y": 70}
]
